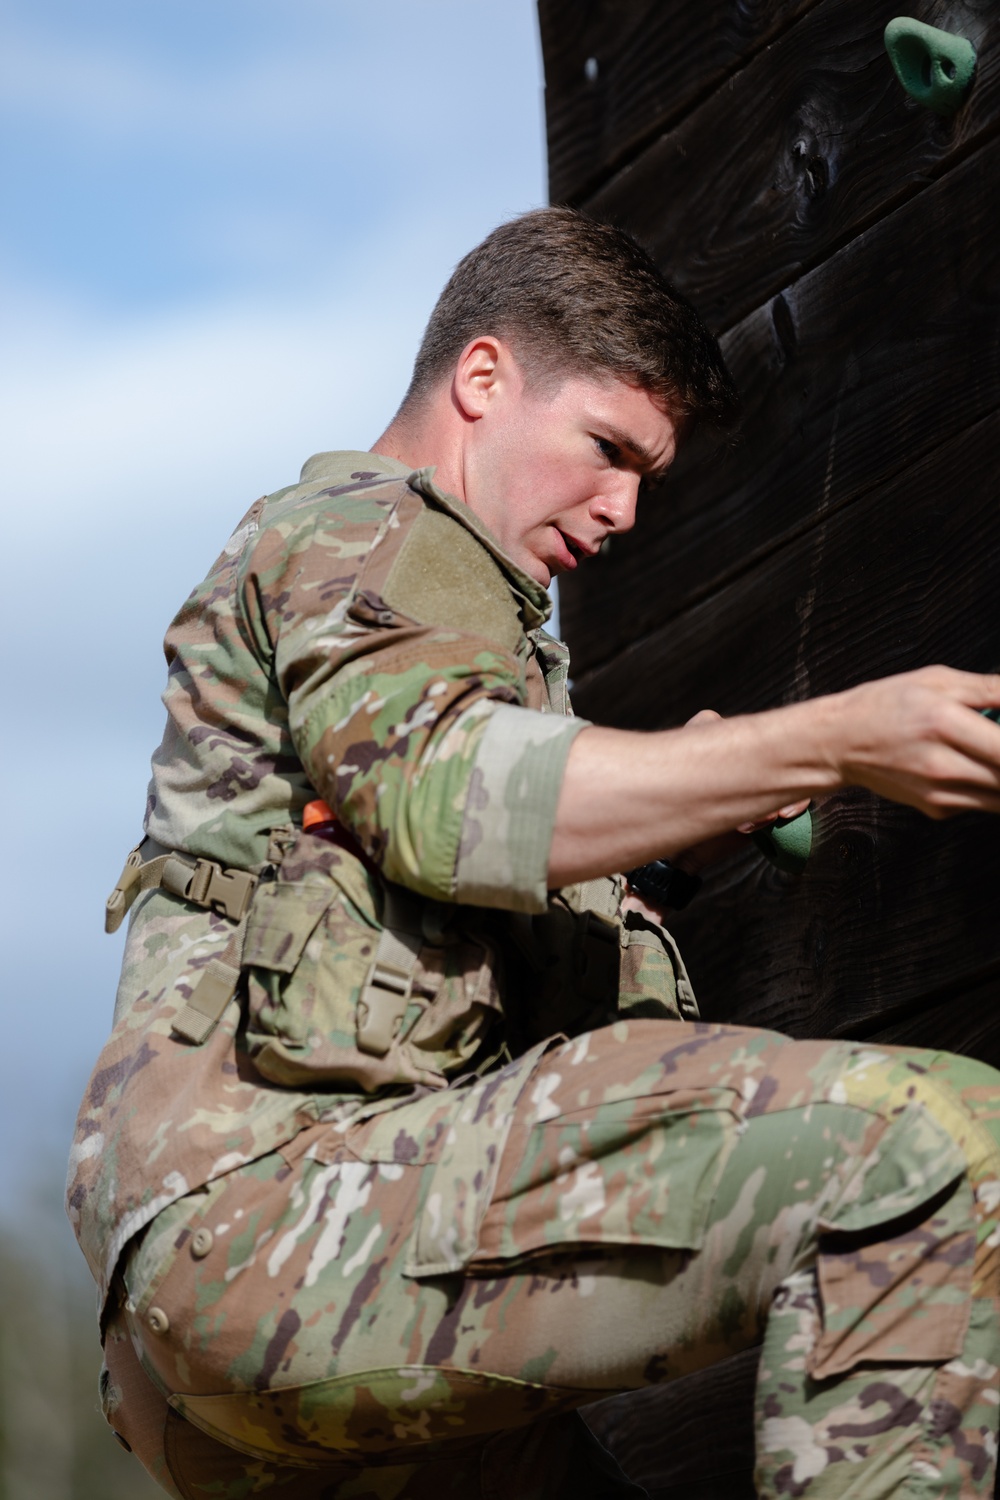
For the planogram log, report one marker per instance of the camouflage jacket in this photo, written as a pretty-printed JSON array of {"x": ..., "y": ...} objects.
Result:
[{"x": 362, "y": 638}]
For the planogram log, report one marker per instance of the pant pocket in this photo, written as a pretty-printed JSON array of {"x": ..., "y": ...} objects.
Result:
[
  {"x": 641, "y": 1171},
  {"x": 896, "y": 1255},
  {"x": 598, "y": 1157},
  {"x": 458, "y": 1136}
]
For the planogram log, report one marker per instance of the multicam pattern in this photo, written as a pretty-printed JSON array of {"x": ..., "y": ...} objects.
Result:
[
  {"x": 554, "y": 1458},
  {"x": 660, "y": 1195},
  {"x": 363, "y": 636},
  {"x": 910, "y": 1324},
  {"x": 297, "y": 667}
]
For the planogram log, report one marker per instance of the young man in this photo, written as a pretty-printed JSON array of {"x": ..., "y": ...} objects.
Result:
[{"x": 406, "y": 1142}]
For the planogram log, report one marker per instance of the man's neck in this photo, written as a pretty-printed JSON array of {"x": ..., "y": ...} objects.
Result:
[{"x": 432, "y": 435}]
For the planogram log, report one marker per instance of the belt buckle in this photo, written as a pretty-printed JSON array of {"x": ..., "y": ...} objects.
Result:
[{"x": 227, "y": 892}]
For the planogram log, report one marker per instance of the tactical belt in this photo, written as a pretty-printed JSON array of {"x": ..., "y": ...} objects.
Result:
[
  {"x": 227, "y": 891},
  {"x": 219, "y": 888}
]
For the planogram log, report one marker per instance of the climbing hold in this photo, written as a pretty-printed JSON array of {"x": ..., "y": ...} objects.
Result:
[
  {"x": 787, "y": 842},
  {"x": 935, "y": 67}
]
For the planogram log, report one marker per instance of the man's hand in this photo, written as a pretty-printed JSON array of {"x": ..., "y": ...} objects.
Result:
[
  {"x": 921, "y": 739},
  {"x": 918, "y": 738}
]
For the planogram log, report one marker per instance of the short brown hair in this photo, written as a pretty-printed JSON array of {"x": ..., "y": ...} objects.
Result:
[{"x": 571, "y": 295}]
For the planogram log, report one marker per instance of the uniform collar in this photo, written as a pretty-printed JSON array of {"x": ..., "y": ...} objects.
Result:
[
  {"x": 533, "y": 601},
  {"x": 348, "y": 464}
]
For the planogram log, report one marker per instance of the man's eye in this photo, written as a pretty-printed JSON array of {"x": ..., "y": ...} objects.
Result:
[{"x": 610, "y": 450}]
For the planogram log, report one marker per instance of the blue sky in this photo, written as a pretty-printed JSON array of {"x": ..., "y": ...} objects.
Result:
[{"x": 224, "y": 223}]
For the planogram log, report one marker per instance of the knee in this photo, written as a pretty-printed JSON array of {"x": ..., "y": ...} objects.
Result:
[{"x": 134, "y": 1409}]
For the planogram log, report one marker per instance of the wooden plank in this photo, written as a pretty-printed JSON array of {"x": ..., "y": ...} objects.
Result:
[
  {"x": 811, "y": 142},
  {"x": 963, "y": 1021},
  {"x": 892, "y": 907},
  {"x": 892, "y": 925},
  {"x": 652, "y": 61},
  {"x": 689, "y": 1440},
  {"x": 849, "y": 375}
]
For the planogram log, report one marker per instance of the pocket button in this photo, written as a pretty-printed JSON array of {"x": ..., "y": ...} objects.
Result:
[
  {"x": 201, "y": 1243},
  {"x": 157, "y": 1320}
]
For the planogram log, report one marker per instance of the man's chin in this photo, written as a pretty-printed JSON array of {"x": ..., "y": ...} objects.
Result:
[{"x": 540, "y": 571}]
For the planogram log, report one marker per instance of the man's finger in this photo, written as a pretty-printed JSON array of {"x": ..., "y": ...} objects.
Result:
[
  {"x": 974, "y": 689},
  {"x": 976, "y": 736}
]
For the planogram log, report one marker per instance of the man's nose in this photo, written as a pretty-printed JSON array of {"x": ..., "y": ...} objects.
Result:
[{"x": 615, "y": 505}]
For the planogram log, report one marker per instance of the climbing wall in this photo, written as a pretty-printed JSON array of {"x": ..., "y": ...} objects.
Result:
[{"x": 841, "y": 237}]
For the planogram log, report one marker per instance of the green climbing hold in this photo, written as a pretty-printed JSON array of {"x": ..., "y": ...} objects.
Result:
[
  {"x": 935, "y": 67},
  {"x": 787, "y": 842}
]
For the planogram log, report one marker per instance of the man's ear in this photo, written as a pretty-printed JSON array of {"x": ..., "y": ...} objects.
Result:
[{"x": 482, "y": 370}]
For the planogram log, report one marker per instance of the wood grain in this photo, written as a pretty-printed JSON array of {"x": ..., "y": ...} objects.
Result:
[
  {"x": 852, "y": 373},
  {"x": 810, "y": 143},
  {"x": 689, "y": 1440},
  {"x": 893, "y": 925},
  {"x": 963, "y": 1021},
  {"x": 892, "y": 908},
  {"x": 652, "y": 61}
]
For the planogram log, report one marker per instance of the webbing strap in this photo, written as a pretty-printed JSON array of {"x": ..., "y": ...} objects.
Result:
[
  {"x": 212, "y": 993},
  {"x": 128, "y": 886},
  {"x": 204, "y": 883},
  {"x": 388, "y": 985},
  {"x": 220, "y": 888}
]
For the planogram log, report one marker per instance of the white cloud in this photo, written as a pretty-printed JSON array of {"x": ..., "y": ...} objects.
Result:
[{"x": 176, "y": 405}]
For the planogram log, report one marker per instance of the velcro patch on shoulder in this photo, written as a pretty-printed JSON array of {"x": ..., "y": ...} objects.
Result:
[{"x": 442, "y": 576}]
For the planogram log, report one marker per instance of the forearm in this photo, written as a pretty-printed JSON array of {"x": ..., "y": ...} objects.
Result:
[
  {"x": 627, "y": 798},
  {"x": 918, "y": 738}
]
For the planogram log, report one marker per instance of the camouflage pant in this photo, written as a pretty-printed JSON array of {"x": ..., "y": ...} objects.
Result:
[{"x": 667, "y": 1194}]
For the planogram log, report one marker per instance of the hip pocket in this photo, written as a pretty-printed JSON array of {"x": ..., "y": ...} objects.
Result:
[{"x": 310, "y": 957}]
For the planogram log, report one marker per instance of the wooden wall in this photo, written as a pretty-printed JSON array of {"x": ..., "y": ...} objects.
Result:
[{"x": 843, "y": 242}]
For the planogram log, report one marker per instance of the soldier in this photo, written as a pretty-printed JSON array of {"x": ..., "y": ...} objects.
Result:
[{"x": 407, "y": 1141}]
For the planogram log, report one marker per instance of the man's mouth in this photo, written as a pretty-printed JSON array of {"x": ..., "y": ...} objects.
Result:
[{"x": 575, "y": 551}]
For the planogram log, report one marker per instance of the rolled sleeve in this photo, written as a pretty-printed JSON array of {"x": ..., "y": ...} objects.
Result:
[{"x": 510, "y": 809}]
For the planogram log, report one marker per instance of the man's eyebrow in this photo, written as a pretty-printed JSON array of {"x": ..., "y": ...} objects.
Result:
[{"x": 638, "y": 450}]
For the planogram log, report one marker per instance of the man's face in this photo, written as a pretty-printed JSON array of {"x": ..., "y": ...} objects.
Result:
[{"x": 554, "y": 470}]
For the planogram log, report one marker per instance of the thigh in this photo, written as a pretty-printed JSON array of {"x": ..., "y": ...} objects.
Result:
[
  {"x": 321, "y": 1265},
  {"x": 659, "y": 1181}
]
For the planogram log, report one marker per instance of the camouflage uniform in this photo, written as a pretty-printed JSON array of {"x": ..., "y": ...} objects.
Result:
[{"x": 456, "y": 1159}]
